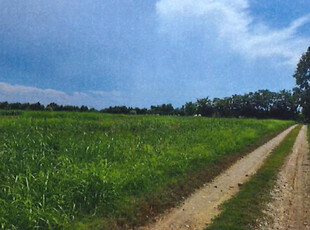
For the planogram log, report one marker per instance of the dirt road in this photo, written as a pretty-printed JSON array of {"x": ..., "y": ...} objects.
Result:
[
  {"x": 199, "y": 209},
  {"x": 291, "y": 196}
]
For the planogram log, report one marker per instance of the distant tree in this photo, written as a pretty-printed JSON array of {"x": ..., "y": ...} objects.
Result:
[
  {"x": 15, "y": 106},
  {"x": 116, "y": 110},
  {"x": 36, "y": 106},
  {"x": 302, "y": 76},
  {"x": 4, "y": 105},
  {"x": 204, "y": 107},
  {"x": 190, "y": 108},
  {"x": 69, "y": 108},
  {"x": 25, "y": 106},
  {"x": 218, "y": 105},
  {"x": 284, "y": 105},
  {"x": 167, "y": 109},
  {"x": 179, "y": 112},
  {"x": 53, "y": 107},
  {"x": 92, "y": 110},
  {"x": 164, "y": 109},
  {"x": 84, "y": 108},
  {"x": 141, "y": 111},
  {"x": 133, "y": 112}
]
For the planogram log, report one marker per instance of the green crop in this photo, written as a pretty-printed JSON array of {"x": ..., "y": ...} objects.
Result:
[{"x": 58, "y": 168}]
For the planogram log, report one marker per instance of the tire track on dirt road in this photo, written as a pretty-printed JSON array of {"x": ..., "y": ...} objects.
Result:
[
  {"x": 201, "y": 207},
  {"x": 291, "y": 195}
]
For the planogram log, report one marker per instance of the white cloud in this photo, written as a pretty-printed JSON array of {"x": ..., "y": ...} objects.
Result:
[
  {"x": 234, "y": 25},
  {"x": 24, "y": 94}
]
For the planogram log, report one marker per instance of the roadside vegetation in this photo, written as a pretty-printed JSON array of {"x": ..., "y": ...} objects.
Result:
[
  {"x": 60, "y": 169},
  {"x": 244, "y": 209}
]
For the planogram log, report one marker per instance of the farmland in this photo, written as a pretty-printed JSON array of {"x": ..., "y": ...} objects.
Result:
[{"x": 59, "y": 168}]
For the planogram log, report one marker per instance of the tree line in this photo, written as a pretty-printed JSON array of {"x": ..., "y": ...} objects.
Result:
[
  {"x": 260, "y": 104},
  {"x": 285, "y": 104},
  {"x": 40, "y": 107}
]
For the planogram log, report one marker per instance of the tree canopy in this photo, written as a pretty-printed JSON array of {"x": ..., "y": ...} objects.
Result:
[{"x": 302, "y": 76}]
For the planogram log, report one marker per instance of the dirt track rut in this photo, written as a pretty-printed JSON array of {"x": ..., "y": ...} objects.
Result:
[
  {"x": 291, "y": 196},
  {"x": 198, "y": 210}
]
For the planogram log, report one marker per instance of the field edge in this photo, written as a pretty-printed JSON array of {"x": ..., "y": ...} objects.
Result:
[
  {"x": 144, "y": 210},
  {"x": 243, "y": 211}
]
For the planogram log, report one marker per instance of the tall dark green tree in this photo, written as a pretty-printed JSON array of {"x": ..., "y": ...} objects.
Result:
[
  {"x": 189, "y": 108},
  {"x": 302, "y": 76},
  {"x": 204, "y": 107}
]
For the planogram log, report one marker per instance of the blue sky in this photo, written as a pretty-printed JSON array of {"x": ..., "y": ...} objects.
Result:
[{"x": 142, "y": 53}]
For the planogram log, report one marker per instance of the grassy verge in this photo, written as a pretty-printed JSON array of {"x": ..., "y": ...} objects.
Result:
[{"x": 242, "y": 211}]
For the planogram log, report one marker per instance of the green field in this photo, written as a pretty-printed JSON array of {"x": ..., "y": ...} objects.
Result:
[{"x": 59, "y": 169}]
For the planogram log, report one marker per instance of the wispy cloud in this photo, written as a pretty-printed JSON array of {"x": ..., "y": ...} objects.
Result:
[
  {"x": 234, "y": 24},
  {"x": 23, "y": 94}
]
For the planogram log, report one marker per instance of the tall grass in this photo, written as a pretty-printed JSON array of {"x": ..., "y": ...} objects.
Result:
[{"x": 56, "y": 168}]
